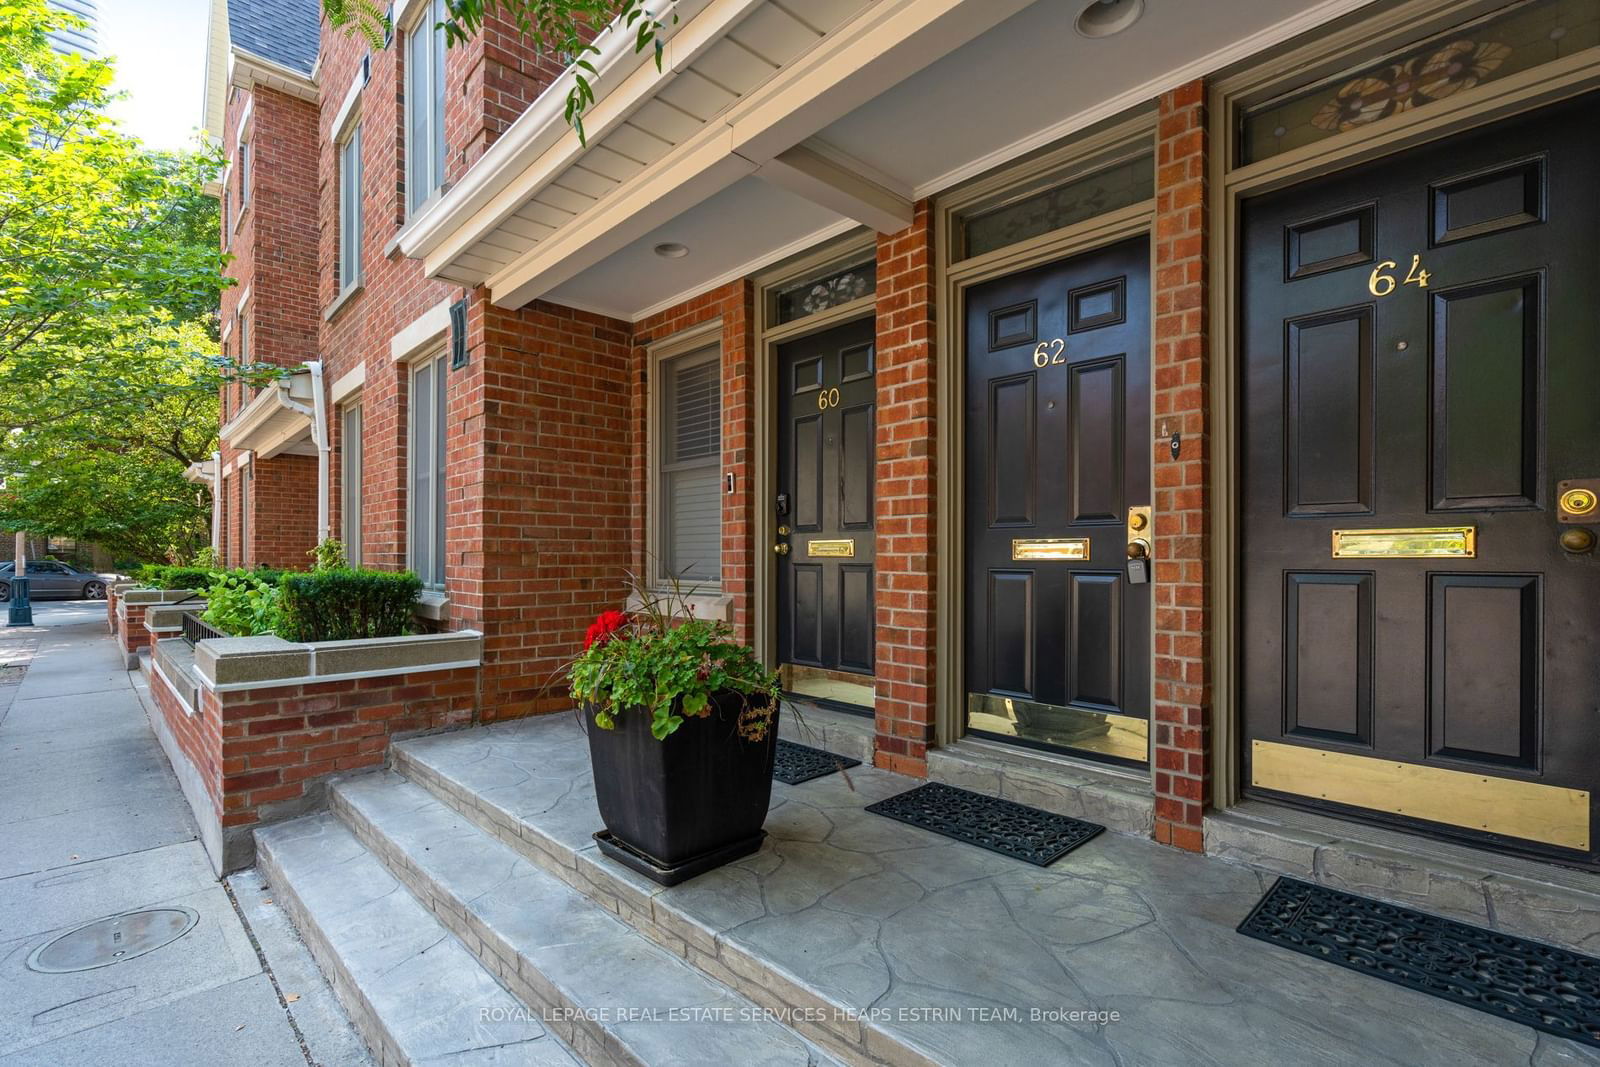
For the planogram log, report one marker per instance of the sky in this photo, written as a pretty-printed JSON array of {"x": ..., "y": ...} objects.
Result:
[{"x": 160, "y": 52}]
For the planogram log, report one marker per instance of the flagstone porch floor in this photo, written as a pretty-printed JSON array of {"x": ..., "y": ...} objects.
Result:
[{"x": 910, "y": 947}]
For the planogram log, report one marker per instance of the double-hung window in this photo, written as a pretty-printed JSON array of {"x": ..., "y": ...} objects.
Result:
[
  {"x": 688, "y": 424},
  {"x": 244, "y": 174},
  {"x": 425, "y": 500},
  {"x": 350, "y": 209},
  {"x": 350, "y": 479},
  {"x": 425, "y": 106}
]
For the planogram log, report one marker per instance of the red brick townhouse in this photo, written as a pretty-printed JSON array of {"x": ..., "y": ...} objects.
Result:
[{"x": 1199, "y": 397}]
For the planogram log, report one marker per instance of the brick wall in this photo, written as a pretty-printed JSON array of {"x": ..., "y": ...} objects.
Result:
[
  {"x": 266, "y": 754},
  {"x": 273, "y": 306},
  {"x": 1182, "y": 580},
  {"x": 734, "y": 304},
  {"x": 906, "y": 496}
]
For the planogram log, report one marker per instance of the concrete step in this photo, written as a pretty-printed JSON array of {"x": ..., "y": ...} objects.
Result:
[
  {"x": 614, "y": 994},
  {"x": 529, "y": 785},
  {"x": 414, "y": 992}
]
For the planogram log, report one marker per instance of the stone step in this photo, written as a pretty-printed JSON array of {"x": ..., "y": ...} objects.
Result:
[
  {"x": 540, "y": 803},
  {"x": 414, "y": 992},
  {"x": 615, "y": 995}
]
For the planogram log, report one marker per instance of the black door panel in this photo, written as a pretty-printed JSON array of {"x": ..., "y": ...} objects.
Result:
[
  {"x": 827, "y": 464},
  {"x": 1057, "y": 450},
  {"x": 1419, "y": 340}
]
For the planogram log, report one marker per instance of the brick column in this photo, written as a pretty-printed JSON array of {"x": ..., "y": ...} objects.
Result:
[
  {"x": 1182, "y": 536},
  {"x": 906, "y": 497}
]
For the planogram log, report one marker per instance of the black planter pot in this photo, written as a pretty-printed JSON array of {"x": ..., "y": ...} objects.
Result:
[{"x": 677, "y": 808}]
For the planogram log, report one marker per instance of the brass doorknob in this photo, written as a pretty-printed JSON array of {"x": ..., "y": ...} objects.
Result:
[
  {"x": 781, "y": 549},
  {"x": 1577, "y": 540},
  {"x": 1138, "y": 548}
]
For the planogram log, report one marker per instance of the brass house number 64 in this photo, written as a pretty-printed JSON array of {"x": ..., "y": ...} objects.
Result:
[{"x": 1382, "y": 283}]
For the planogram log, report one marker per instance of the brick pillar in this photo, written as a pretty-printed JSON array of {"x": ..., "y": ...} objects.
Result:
[
  {"x": 1182, "y": 536},
  {"x": 906, "y": 497}
]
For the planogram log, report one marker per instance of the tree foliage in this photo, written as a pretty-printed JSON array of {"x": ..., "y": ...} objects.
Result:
[
  {"x": 563, "y": 28},
  {"x": 110, "y": 275}
]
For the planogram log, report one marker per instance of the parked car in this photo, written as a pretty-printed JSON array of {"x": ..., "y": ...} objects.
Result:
[{"x": 47, "y": 579}]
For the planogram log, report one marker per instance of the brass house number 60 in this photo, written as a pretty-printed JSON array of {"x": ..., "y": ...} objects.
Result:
[
  {"x": 1382, "y": 283},
  {"x": 828, "y": 398}
]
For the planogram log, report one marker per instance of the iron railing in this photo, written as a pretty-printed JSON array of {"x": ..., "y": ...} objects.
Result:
[{"x": 197, "y": 629}]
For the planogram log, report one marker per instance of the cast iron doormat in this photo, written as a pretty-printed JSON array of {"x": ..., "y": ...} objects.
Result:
[
  {"x": 1537, "y": 985},
  {"x": 1003, "y": 826},
  {"x": 801, "y": 763}
]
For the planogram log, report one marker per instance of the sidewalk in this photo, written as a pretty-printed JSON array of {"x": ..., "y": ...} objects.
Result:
[{"x": 92, "y": 824}]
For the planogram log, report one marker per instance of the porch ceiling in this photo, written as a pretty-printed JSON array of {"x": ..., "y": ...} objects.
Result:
[{"x": 1024, "y": 83}]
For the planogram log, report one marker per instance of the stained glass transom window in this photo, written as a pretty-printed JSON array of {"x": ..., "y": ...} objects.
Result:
[
  {"x": 1491, "y": 47},
  {"x": 1114, "y": 187},
  {"x": 819, "y": 294}
]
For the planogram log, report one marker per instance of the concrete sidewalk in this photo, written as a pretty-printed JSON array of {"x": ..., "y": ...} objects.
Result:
[{"x": 92, "y": 824}]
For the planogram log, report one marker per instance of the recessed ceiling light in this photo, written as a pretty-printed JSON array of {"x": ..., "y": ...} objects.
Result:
[
  {"x": 672, "y": 250},
  {"x": 1102, "y": 18}
]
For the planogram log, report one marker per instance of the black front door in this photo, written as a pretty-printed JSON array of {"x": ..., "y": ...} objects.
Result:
[
  {"x": 1421, "y": 357},
  {"x": 827, "y": 402},
  {"x": 1057, "y": 452}
]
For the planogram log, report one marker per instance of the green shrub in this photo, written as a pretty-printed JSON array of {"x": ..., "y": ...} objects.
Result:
[
  {"x": 243, "y": 603},
  {"x": 165, "y": 576},
  {"x": 329, "y": 555},
  {"x": 341, "y": 605}
]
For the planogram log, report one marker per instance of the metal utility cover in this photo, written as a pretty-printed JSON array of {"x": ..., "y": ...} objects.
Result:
[{"x": 112, "y": 940}]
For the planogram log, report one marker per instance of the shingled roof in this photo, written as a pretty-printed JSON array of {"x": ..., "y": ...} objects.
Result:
[{"x": 283, "y": 31}]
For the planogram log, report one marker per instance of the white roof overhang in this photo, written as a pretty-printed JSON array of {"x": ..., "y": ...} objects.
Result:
[
  {"x": 201, "y": 472},
  {"x": 277, "y": 421}
]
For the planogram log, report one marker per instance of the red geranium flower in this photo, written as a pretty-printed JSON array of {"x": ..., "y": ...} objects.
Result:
[{"x": 604, "y": 626}]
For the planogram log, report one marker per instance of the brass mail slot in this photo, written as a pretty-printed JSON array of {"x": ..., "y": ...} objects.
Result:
[
  {"x": 1050, "y": 548},
  {"x": 832, "y": 549},
  {"x": 1457, "y": 541}
]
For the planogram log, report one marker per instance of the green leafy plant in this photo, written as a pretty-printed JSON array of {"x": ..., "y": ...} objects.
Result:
[
  {"x": 662, "y": 660},
  {"x": 166, "y": 576},
  {"x": 341, "y": 604},
  {"x": 329, "y": 555},
  {"x": 206, "y": 559},
  {"x": 243, "y": 603},
  {"x": 563, "y": 28}
]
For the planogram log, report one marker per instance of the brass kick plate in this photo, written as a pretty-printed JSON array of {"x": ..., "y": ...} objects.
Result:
[
  {"x": 1529, "y": 811},
  {"x": 1024, "y": 548},
  {"x": 841, "y": 549},
  {"x": 1124, "y": 736},
  {"x": 1424, "y": 541}
]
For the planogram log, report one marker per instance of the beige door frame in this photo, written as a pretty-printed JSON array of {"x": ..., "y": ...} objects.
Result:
[
  {"x": 768, "y": 335},
  {"x": 1354, "y": 41},
  {"x": 1113, "y": 142}
]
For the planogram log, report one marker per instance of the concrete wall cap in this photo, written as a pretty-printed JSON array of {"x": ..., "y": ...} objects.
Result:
[{"x": 271, "y": 661}]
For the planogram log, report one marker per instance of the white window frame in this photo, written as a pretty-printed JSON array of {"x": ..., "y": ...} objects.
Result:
[
  {"x": 244, "y": 173},
  {"x": 351, "y": 222},
  {"x": 700, "y": 344},
  {"x": 424, "y": 168},
  {"x": 351, "y": 421},
  {"x": 428, "y": 560}
]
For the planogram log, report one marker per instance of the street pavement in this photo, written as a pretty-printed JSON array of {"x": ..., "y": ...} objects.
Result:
[{"x": 93, "y": 824}]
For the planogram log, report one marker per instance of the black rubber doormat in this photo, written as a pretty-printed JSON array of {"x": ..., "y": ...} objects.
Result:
[
  {"x": 1003, "y": 826},
  {"x": 801, "y": 763},
  {"x": 1547, "y": 988}
]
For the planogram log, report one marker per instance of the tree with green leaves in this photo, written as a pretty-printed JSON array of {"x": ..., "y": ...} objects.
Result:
[
  {"x": 110, "y": 275},
  {"x": 564, "y": 28}
]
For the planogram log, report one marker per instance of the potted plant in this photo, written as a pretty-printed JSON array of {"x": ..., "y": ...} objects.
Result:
[{"x": 683, "y": 725}]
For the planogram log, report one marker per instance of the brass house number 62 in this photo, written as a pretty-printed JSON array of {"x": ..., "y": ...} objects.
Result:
[{"x": 1382, "y": 283}]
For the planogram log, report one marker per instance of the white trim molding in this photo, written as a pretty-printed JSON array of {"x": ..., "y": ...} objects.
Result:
[
  {"x": 422, "y": 336},
  {"x": 348, "y": 384}
]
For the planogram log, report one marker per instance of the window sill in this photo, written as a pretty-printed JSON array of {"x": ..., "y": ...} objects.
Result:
[
  {"x": 434, "y": 604},
  {"x": 341, "y": 300},
  {"x": 711, "y": 606},
  {"x": 239, "y": 217}
]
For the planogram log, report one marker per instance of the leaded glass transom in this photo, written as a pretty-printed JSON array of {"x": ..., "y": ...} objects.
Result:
[
  {"x": 1494, "y": 46},
  {"x": 1108, "y": 189},
  {"x": 808, "y": 297}
]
